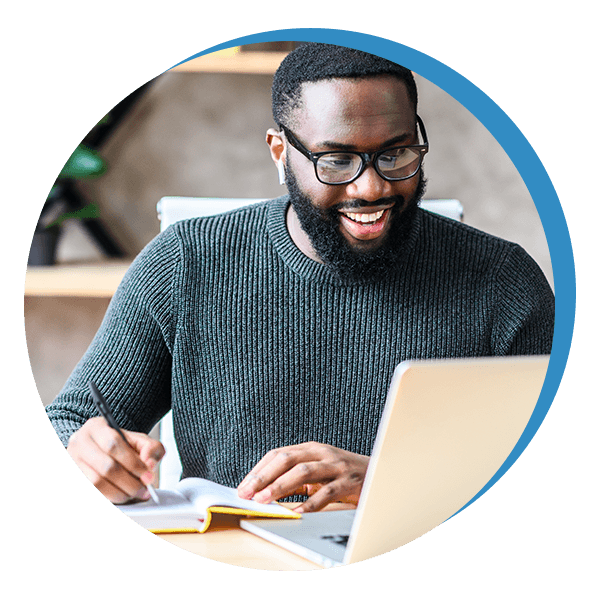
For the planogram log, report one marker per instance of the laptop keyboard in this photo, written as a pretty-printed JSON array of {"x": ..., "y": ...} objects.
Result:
[{"x": 342, "y": 540}]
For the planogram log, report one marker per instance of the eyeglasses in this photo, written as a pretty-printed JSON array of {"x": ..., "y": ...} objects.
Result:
[{"x": 340, "y": 167}]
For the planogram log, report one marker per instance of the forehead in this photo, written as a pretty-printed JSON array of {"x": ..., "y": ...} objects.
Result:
[{"x": 356, "y": 112}]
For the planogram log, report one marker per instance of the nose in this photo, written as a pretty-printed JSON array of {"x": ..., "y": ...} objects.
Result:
[{"x": 370, "y": 186}]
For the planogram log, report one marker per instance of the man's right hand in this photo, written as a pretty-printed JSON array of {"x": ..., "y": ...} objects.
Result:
[{"x": 120, "y": 471}]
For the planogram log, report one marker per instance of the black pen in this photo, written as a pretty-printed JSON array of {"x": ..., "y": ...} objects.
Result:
[{"x": 108, "y": 416}]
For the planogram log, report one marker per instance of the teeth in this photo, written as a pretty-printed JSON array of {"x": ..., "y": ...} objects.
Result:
[{"x": 364, "y": 218}]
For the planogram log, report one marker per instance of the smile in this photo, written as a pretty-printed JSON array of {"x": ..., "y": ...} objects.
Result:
[
  {"x": 365, "y": 226},
  {"x": 365, "y": 218}
]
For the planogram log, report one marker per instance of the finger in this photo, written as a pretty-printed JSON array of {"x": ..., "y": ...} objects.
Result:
[
  {"x": 109, "y": 469},
  {"x": 112, "y": 444},
  {"x": 306, "y": 448},
  {"x": 113, "y": 493},
  {"x": 261, "y": 464},
  {"x": 296, "y": 479},
  {"x": 330, "y": 492},
  {"x": 99, "y": 448},
  {"x": 253, "y": 481},
  {"x": 274, "y": 464},
  {"x": 108, "y": 490}
]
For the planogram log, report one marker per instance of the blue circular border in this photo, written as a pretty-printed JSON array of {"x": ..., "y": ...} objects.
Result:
[{"x": 525, "y": 160}]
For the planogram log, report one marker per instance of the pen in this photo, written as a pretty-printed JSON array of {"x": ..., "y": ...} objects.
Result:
[{"x": 105, "y": 412}]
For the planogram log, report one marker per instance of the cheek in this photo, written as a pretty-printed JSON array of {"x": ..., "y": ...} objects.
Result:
[
  {"x": 406, "y": 188},
  {"x": 322, "y": 196}
]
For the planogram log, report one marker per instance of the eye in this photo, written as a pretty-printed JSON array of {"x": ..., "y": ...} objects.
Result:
[
  {"x": 337, "y": 161},
  {"x": 387, "y": 160},
  {"x": 397, "y": 158}
]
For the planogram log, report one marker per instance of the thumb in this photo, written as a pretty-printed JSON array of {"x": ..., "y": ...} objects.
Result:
[{"x": 150, "y": 451}]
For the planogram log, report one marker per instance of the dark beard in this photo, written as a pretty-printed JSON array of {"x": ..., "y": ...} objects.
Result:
[{"x": 347, "y": 263}]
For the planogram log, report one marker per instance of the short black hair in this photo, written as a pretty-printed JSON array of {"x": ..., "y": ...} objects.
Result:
[{"x": 316, "y": 62}]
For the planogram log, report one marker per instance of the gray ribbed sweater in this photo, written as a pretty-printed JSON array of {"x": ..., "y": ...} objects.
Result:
[{"x": 255, "y": 346}]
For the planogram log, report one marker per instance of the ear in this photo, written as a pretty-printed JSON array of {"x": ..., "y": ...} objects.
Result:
[{"x": 276, "y": 145}]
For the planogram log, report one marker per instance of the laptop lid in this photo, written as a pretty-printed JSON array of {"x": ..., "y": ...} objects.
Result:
[{"x": 447, "y": 427}]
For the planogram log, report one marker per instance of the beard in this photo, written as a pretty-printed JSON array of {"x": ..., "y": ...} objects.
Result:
[{"x": 344, "y": 261}]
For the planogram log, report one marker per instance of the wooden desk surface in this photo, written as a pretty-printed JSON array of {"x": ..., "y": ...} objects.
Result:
[{"x": 226, "y": 542}]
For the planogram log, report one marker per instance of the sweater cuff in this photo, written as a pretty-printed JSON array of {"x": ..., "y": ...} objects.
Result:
[{"x": 65, "y": 429}]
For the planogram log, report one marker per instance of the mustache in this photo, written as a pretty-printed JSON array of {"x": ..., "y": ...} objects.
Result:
[{"x": 396, "y": 202}]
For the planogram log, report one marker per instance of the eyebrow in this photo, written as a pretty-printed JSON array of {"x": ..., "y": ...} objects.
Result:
[{"x": 328, "y": 145}]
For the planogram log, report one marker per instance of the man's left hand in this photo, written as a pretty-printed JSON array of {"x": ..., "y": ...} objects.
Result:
[{"x": 325, "y": 473}]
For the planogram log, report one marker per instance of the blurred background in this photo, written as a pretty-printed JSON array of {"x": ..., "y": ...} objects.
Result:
[{"x": 175, "y": 137}]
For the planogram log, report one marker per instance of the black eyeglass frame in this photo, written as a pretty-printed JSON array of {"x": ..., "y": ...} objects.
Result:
[{"x": 366, "y": 157}]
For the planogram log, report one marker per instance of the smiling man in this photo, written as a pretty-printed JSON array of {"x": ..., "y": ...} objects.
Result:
[{"x": 273, "y": 331}]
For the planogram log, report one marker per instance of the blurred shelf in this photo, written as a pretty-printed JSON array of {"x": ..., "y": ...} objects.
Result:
[
  {"x": 257, "y": 63},
  {"x": 87, "y": 280}
]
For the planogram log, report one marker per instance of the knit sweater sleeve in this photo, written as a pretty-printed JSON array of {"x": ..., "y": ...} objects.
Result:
[
  {"x": 129, "y": 358},
  {"x": 524, "y": 323}
]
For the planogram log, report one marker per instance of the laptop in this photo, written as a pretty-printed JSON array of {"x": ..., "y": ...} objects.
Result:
[{"x": 446, "y": 429}]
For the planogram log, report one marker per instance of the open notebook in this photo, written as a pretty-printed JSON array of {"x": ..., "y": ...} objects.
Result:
[{"x": 190, "y": 506}]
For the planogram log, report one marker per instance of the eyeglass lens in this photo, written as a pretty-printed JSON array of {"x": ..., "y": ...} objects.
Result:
[{"x": 396, "y": 163}]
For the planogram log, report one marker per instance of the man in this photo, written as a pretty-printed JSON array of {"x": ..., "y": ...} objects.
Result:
[{"x": 273, "y": 331}]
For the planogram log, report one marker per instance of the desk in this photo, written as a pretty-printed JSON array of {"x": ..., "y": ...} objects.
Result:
[{"x": 226, "y": 542}]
